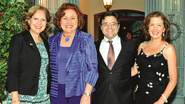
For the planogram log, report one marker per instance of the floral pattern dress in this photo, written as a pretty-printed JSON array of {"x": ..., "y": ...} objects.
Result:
[{"x": 41, "y": 97}]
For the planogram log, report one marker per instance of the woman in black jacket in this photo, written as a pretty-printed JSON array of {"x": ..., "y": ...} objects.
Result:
[{"x": 28, "y": 60}]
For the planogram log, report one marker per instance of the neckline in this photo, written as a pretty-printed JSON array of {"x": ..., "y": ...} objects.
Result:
[
  {"x": 155, "y": 53},
  {"x": 151, "y": 54}
]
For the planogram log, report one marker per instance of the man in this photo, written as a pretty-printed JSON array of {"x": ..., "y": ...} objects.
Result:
[
  {"x": 114, "y": 82},
  {"x": 128, "y": 35}
]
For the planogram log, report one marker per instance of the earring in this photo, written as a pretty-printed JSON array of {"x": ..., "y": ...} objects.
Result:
[{"x": 163, "y": 34}]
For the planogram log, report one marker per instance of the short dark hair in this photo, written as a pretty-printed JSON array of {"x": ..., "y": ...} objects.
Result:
[
  {"x": 60, "y": 13},
  {"x": 109, "y": 13},
  {"x": 166, "y": 24}
]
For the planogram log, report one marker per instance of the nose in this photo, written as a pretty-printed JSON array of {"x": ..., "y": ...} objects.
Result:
[
  {"x": 68, "y": 21},
  {"x": 39, "y": 21},
  {"x": 155, "y": 27},
  {"x": 109, "y": 26}
]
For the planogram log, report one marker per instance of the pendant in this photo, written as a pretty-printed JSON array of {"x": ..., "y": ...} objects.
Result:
[{"x": 67, "y": 39}]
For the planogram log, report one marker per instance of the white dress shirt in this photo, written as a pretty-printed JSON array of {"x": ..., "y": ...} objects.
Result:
[{"x": 104, "y": 47}]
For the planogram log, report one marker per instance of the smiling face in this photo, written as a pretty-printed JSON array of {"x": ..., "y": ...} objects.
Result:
[
  {"x": 156, "y": 27},
  {"x": 69, "y": 22},
  {"x": 37, "y": 22},
  {"x": 110, "y": 27}
]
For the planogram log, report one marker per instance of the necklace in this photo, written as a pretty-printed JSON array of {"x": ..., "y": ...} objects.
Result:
[
  {"x": 40, "y": 40},
  {"x": 67, "y": 39},
  {"x": 154, "y": 45}
]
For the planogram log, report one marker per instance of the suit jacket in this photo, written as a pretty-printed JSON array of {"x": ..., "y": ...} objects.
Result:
[
  {"x": 81, "y": 66},
  {"x": 114, "y": 86},
  {"x": 24, "y": 64}
]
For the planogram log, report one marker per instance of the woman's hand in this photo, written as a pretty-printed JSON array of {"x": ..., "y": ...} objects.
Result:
[
  {"x": 160, "y": 101},
  {"x": 134, "y": 70},
  {"x": 15, "y": 97},
  {"x": 85, "y": 99},
  {"x": 17, "y": 102}
]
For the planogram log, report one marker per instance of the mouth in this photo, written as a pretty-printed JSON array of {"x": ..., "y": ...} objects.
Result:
[
  {"x": 155, "y": 33},
  {"x": 109, "y": 30},
  {"x": 38, "y": 27},
  {"x": 69, "y": 26}
]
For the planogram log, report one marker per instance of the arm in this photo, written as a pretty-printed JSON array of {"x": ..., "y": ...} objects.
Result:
[
  {"x": 91, "y": 71},
  {"x": 15, "y": 97},
  {"x": 134, "y": 70},
  {"x": 13, "y": 64},
  {"x": 170, "y": 55},
  {"x": 86, "y": 99}
]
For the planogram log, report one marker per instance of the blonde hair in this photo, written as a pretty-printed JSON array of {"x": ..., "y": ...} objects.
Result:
[{"x": 31, "y": 12}]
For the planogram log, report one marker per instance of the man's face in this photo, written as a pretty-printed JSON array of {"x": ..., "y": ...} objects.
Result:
[
  {"x": 110, "y": 27},
  {"x": 128, "y": 35}
]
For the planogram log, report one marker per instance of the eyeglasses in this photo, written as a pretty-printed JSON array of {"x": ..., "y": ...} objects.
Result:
[{"x": 106, "y": 24}]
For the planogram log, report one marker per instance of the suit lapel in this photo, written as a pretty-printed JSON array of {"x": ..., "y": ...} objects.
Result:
[
  {"x": 29, "y": 40},
  {"x": 99, "y": 54},
  {"x": 124, "y": 48}
]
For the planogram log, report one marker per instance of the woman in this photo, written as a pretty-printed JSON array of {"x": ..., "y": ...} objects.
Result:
[
  {"x": 73, "y": 58},
  {"x": 28, "y": 60},
  {"x": 156, "y": 62}
]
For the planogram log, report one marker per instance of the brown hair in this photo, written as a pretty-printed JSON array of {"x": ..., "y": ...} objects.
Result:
[
  {"x": 166, "y": 24},
  {"x": 31, "y": 12},
  {"x": 60, "y": 13}
]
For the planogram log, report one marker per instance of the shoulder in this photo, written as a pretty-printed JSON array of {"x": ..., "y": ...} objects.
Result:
[
  {"x": 141, "y": 45},
  {"x": 85, "y": 37},
  {"x": 127, "y": 41},
  {"x": 84, "y": 34},
  {"x": 169, "y": 48},
  {"x": 169, "y": 51},
  {"x": 53, "y": 37},
  {"x": 20, "y": 35}
]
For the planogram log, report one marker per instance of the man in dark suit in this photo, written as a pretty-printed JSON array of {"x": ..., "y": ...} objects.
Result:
[{"x": 115, "y": 60}]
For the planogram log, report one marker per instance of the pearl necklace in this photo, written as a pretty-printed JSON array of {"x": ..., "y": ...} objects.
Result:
[
  {"x": 154, "y": 45},
  {"x": 67, "y": 39}
]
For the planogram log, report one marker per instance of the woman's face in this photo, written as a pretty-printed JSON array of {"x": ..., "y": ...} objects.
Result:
[
  {"x": 156, "y": 27},
  {"x": 37, "y": 22},
  {"x": 69, "y": 21}
]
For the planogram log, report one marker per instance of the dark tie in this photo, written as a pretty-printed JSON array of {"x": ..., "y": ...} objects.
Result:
[{"x": 110, "y": 56}]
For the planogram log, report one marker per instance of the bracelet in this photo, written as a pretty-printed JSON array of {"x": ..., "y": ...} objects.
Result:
[
  {"x": 87, "y": 94},
  {"x": 166, "y": 101},
  {"x": 15, "y": 101}
]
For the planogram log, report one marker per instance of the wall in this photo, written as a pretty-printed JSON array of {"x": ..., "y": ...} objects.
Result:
[
  {"x": 85, "y": 8},
  {"x": 96, "y": 6}
]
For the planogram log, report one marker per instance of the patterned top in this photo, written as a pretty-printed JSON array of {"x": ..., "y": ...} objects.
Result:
[
  {"x": 152, "y": 76},
  {"x": 41, "y": 97}
]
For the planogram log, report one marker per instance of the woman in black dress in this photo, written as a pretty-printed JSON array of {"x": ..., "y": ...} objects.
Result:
[{"x": 156, "y": 63}]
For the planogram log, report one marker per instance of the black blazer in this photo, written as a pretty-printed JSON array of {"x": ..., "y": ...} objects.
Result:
[
  {"x": 24, "y": 64},
  {"x": 115, "y": 86}
]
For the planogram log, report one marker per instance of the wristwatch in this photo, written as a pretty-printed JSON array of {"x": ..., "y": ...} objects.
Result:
[{"x": 87, "y": 94}]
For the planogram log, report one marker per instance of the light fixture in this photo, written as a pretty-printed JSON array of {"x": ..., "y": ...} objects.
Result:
[{"x": 107, "y": 4}]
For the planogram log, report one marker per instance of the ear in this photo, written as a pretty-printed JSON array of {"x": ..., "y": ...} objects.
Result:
[
  {"x": 101, "y": 27},
  {"x": 164, "y": 30},
  {"x": 28, "y": 21},
  {"x": 118, "y": 26}
]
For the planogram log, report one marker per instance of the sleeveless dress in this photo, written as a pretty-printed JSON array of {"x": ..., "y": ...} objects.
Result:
[
  {"x": 152, "y": 77},
  {"x": 41, "y": 97}
]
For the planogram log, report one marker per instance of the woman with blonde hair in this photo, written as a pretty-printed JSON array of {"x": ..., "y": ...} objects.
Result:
[{"x": 28, "y": 74}]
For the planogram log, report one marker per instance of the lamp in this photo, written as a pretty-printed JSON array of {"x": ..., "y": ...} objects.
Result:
[{"x": 107, "y": 4}]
